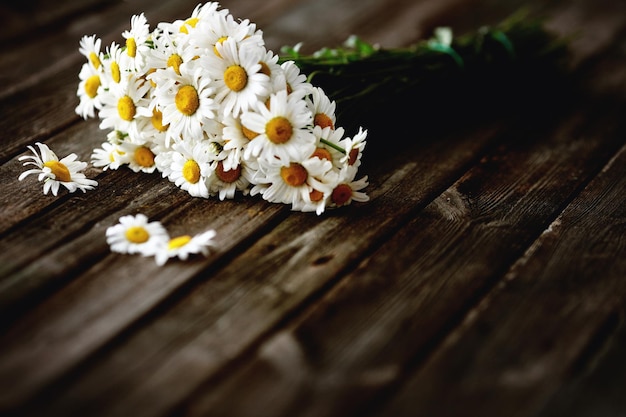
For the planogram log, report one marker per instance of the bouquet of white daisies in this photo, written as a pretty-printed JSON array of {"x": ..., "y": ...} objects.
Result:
[{"x": 206, "y": 104}]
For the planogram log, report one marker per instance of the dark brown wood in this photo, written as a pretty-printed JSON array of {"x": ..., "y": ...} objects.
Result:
[{"x": 484, "y": 277}]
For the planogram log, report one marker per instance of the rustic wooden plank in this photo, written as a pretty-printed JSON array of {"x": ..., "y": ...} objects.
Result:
[
  {"x": 20, "y": 22},
  {"x": 529, "y": 336},
  {"x": 115, "y": 305},
  {"x": 295, "y": 243},
  {"x": 597, "y": 385},
  {"x": 355, "y": 345}
]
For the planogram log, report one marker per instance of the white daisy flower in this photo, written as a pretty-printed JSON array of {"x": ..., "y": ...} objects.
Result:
[
  {"x": 89, "y": 91},
  {"x": 122, "y": 108},
  {"x": 108, "y": 156},
  {"x": 152, "y": 129},
  {"x": 329, "y": 145},
  {"x": 134, "y": 234},
  {"x": 190, "y": 166},
  {"x": 136, "y": 43},
  {"x": 347, "y": 189},
  {"x": 354, "y": 148},
  {"x": 239, "y": 82},
  {"x": 225, "y": 182},
  {"x": 322, "y": 107},
  {"x": 185, "y": 100},
  {"x": 218, "y": 27},
  {"x": 292, "y": 182},
  {"x": 116, "y": 75},
  {"x": 235, "y": 138},
  {"x": 296, "y": 81},
  {"x": 168, "y": 52},
  {"x": 139, "y": 157},
  {"x": 200, "y": 13},
  {"x": 55, "y": 172},
  {"x": 89, "y": 46},
  {"x": 185, "y": 245},
  {"x": 283, "y": 129},
  {"x": 271, "y": 68}
]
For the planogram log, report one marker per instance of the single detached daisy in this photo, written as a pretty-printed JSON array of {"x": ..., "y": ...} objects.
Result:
[
  {"x": 55, "y": 172},
  {"x": 185, "y": 245},
  {"x": 134, "y": 234}
]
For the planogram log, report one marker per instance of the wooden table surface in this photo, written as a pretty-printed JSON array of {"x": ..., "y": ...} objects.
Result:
[{"x": 486, "y": 276}]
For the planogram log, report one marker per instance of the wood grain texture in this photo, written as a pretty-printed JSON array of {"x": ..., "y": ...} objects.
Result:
[{"x": 484, "y": 276}]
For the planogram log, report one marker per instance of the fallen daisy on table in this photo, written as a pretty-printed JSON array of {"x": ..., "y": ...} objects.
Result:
[
  {"x": 137, "y": 235},
  {"x": 134, "y": 234},
  {"x": 185, "y": 245},
  {"x": 54, "y": 172}
]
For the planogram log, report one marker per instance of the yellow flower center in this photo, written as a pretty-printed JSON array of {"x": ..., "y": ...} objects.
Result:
[
  {"x": 249, "y": 134},
  {"x": 91, "y": 86},
  {"x": 322, "y": 120},
  {"x": 341, "y": 194},
  {"x": 265, "y": 69},
  {"x": 178, "y": 242},
  {"x": 322, "y": 153},
  {"x": 95, "y": 61},
  {"x": 229, "y": 176},
  {"x": 157, "y": 121},
  {"x": 235, "y": 77},
  {"x": 353, "y": 155},
  {"x": 316, "y": 195},
  {"x": 144, "y": 156},
  {"x": 192, "y": 22},
  {"x": 131, "y": 47},
  {"x": 115, "y": 72},
  {"x": 174, "y": 61},
  {"x": 187, "y": 100},
  {"x": 220, "y": 41},
  {"x": 137, "y": 234},
  {"x": 126, "y": 108},
  {"x": 294, "y": 174},
  {"x": 191, "y": 171},
  {"x": 279, "y": 129},
  {"x": 60, "y": 171}
]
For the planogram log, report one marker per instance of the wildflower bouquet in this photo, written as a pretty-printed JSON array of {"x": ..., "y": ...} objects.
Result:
[
  {"x": 203, "y": 102},
  {"x": 206, "y": 104}
]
